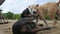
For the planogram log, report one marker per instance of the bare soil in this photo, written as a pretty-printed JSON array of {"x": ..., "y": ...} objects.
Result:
[{"x": 7, "y": 28}]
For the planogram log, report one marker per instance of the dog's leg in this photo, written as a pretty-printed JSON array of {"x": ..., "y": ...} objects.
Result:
[
  {"x": 58, "y": 14},
  {"x": 51, "y": 13},
  {"x": 55, "y": 21},
  {"x": 37, "y": 20},
  {"x": 42, "y": 17}
]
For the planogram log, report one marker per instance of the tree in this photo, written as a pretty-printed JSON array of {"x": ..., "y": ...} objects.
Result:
[
  {"x": 16, "y": 16},
  {"x": 9, "y": 15}
]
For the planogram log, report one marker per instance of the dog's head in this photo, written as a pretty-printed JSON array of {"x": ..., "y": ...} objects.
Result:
[{"x": 33, "y": 9}]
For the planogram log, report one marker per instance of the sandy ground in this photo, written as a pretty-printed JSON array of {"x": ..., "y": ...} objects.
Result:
[{"x": 6, "y": 28}]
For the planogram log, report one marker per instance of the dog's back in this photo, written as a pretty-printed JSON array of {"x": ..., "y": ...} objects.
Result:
[{"x": 48, "y": 7}]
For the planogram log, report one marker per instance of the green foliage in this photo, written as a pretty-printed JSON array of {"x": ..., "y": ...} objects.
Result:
[
  {"x": 16, "y": 16},
  {"x": 5, "y": 15},
  {"x": 56, "y": 17},
  {"x": 47, "y": 17},
  {"x": 10, "y": 15}
]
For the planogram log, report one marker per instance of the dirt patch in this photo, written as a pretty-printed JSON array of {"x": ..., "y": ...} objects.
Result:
[{"x": 7, "y": 28}]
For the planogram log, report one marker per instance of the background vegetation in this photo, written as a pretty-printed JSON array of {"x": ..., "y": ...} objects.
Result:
[{"x": 10, "y": 15}]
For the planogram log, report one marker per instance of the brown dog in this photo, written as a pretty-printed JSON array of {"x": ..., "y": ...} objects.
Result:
[{"x": 49, "y": 8}]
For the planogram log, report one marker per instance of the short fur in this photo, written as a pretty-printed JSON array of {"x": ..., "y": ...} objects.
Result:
[
  {"x": 25, "y": 13},
  {"x": 50, "y": 9}
]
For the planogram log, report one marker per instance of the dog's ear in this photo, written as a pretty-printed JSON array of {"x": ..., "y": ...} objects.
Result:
[{"x": 37, "y": 5}]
